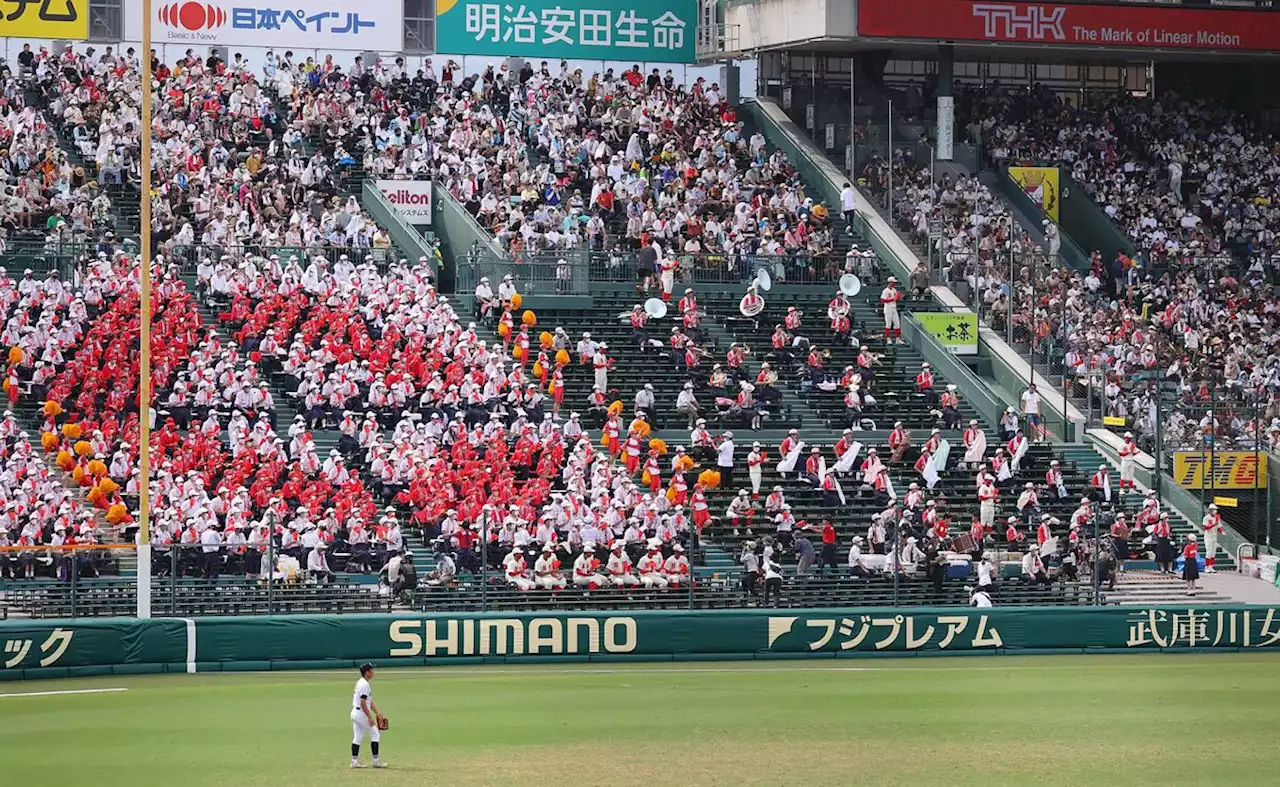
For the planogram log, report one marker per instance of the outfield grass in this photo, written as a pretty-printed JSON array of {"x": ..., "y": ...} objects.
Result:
[{"x": 1123, "y": 720}]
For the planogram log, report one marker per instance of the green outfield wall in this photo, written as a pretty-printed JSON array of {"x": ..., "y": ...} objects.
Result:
[{"x": 69, "y": 648}]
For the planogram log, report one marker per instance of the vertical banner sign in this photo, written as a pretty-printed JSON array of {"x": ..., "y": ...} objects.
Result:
[
  {"x": 808, "y": 117},
  {"x": 957, "y": 332},
  {"x": 1041, "y": 187},
  {"x": 831, "y": 136},
  {"x": 299, "y": 24},
  {"x": 411, "y": 199},
  {"x": 786, "y": 98},
  {"x": 661, "y": 31},
  {"x": 946, "y": 127},
  {"x": 67, "y": 19}
]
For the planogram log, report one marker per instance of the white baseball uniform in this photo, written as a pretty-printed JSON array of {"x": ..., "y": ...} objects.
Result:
[{"x": 360, "y": 726}]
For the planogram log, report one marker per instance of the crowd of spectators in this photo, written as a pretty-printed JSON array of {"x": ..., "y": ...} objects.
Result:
[
  {"x": 1187, "y": 182},
  {"x": 227, "y": 170},
  {"x": 553, "y": 161}
]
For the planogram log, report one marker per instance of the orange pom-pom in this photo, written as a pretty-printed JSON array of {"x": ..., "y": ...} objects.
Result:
[
  {"x": 529, "y": 318},
  {"x": 683, "y": 464},
  {"x": 117, "y": 513},
  {"x": 710, "y": 479},
  {"x": 562, "y": 357},
  {"x": 49, "y": 441},
  {"x": 615, "y": 408},
  {"x": 65, "y": 461},
  {"x": 546, "y": 339},
  {"x": 71, "y": 431},
  {"x": 517, "y": 352},
  {"x": 640, "y": 427},
  {"x": 77, "y": 474},
  {"x": 504, "y": 330},
  {"x": 516, "y": 300},
  {"x": 537, "y": 369},
  {"x": 83, "y": 448},
  {"x": 97, "y": 468},
  {"x": 108, "y": 486},
  {"x": 659, "y": 445},
  {"x": 15, "y": 355},
  {"x": 52, "y": 408}
]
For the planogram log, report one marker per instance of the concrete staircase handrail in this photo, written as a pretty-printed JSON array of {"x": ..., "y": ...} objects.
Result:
[{"x": 901, "y": 257}]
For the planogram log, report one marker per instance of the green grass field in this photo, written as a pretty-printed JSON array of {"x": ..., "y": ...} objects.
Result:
[{"x": 1122, "y": 720}]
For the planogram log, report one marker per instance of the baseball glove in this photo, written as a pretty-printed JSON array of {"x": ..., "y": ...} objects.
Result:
[{"x": 384, "y": 723}]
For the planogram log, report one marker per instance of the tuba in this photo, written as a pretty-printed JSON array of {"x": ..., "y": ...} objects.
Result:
[{"x": 751, "y": 305}]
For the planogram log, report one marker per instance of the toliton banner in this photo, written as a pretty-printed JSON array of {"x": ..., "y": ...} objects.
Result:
[
  {"x": 957, "y": 332},
  {"x": 1231, "y": 469},
  {"x": 659, "y": 31},
  {"x": 1041, "y": 187},
  {"x": 411, "y": 199},
  {"x": 67, "y": 19}
]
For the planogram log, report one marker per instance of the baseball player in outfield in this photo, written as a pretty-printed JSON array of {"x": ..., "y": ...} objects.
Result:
[{"x": 365, "y": 718}]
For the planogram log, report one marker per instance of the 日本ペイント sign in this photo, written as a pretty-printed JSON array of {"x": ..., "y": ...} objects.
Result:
[
  {"x": 650, "y": 31},
  {"x": 310, "y": 24}
]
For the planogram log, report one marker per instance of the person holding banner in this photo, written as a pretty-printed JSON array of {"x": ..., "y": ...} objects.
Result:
[
  {"x": 975, "y": 444},
  {"x": 1100, "y": 485},
  {"x": 789, "y": 449},
  {"x": 1017, "y": 448},
  {"x": 846, "y": 450},
  {"x": 1053, "y": 481}
]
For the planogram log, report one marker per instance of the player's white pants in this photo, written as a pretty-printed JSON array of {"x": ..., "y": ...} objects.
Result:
[
  {"x": 1210, "y": 547},
  {"x": 602, "y": 379},
  {"x": 675, "y": 580},
  {"x": 891, "y": 316},
  {"x": 987, "y": 512},
  {"x": 654, "y": 580},
  {"x": 619, "y": 580},
  {"x": 590, "y": 579},
  {"x": 755, "y": 474},
  {"x": 361, "y": 728},
  {"x": 551, "y": 583},
  {"x": 520, "y": 583},
  {"x": 1127, "y": 467}
]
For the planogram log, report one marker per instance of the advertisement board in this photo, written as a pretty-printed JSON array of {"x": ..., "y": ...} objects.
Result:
[
  {"x": 68, "y": 19},
  {"x": 65, "y": 648},
  {"x": 331, "y": 25},
  {"x": 957, "y": 332},
  {"x": 410, "y": 198},
  {"x": 1109, "y": 26},
  {"x": 1231, "y": 469},
  {"x": 661, "y": 31},
  {"x": 1041, "y": 185}
]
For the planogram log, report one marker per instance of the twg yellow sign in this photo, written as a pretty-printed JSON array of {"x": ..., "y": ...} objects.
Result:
[{"x": 1231, "y": 470}]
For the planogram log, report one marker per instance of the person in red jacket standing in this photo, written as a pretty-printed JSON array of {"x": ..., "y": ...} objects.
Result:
[{"x": 828, "y": 556}]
